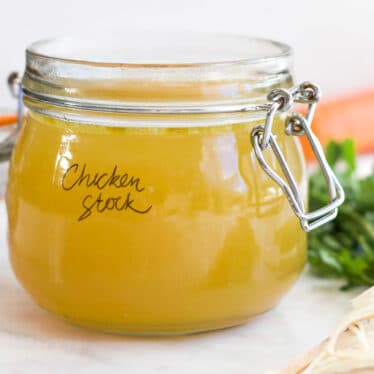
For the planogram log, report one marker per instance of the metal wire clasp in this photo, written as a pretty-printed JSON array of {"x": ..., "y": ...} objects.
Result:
[
  {"x": 15, "y": 88},
  {"x": 282, "y": 100}
]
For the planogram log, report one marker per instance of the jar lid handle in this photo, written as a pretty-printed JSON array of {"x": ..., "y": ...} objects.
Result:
[
  {"x": 15, "y": 88},
  {"x": 296, "y": 125}
]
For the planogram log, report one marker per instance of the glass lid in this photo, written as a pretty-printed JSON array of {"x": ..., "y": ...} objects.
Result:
[{"x": 130, "y": 72}]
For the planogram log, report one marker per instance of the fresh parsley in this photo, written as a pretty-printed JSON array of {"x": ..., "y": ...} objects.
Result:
[{"x": 344, "y": 248}]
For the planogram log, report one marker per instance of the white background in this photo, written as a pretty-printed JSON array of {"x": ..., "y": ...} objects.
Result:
[{"x": 333, "y": 39}]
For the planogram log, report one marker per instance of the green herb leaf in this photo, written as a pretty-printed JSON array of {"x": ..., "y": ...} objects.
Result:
[{"x": 344, "y": 248}]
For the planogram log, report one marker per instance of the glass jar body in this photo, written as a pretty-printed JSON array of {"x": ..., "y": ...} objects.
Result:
[{"x": 151, "y": 230}]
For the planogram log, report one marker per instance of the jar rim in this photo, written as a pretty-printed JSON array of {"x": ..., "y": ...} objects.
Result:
[
  {"x": 178, "y": 73},
  {"x": 77, "y": 49}
]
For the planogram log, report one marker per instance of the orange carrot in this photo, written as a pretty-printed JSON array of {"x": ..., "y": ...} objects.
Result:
[
  {"x": 8, "y": 119},
  {"x": 351, "y": 116}
]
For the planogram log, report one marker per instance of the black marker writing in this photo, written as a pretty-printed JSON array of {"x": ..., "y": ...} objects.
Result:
[
  {"x": 74, "y": 177},
  {"x": 78, "y": 177},
  {"x": 100, "y": 205}
]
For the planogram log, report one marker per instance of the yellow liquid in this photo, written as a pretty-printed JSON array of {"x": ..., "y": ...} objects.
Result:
[{"x": 150, "y": 231}]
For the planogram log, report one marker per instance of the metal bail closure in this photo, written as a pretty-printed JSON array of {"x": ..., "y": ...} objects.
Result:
[
  {"x": 297, "y": 124},
  {"x": 15, "y": 87}
]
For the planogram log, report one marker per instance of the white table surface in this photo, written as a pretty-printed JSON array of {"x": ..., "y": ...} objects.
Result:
[{"x": 33, "y": 341}]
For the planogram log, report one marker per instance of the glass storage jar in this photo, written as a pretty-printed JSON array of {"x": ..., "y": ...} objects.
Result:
[{"x": 139, "y": 199}]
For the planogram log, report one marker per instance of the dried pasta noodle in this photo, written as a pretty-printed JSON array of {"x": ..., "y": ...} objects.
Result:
[{"x": 349, "y": 350}]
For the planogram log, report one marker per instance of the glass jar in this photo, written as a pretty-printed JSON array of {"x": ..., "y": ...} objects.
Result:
[{"x": 137, "y": 202}]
